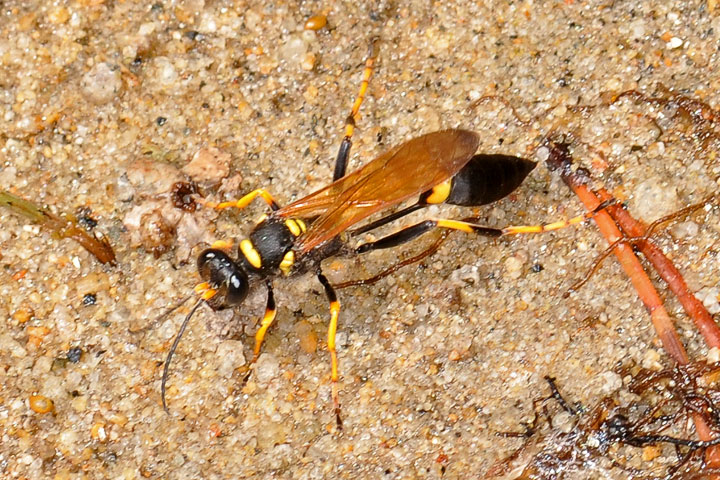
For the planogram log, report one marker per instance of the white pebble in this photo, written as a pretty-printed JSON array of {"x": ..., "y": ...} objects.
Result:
[
  {"x": 542, "y": 154},
  {"x": 563, "y": 421},
  {"x": 637, "y": 30},
  {"x": 102, "y": 83},
  {"x": 653, "y": 199},
  {"x": 710, "y": 298},
  {"x": 674, "y": 42},
  {"x": 294, "y": 49},
  {"x": 613, "y": 382},
  {"x": 67, "y": 440},
  {"x": 266, "y": 368},
  {"x": 231, "y": 356},
  {"x": 146, "y": 28},
  {"x": 651, "y": 360},
  {"x": 713, "y": 355},
  {"x": 166, "y": 73},
  {"x": 684, "y": 230},
  {"x": 9, "y": 344}
]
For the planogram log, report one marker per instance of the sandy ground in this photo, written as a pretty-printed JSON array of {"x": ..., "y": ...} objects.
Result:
[{"x": 102, "y": 104}]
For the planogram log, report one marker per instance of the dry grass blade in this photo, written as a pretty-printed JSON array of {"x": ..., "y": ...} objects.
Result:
[{"x": 65, "y": 226}]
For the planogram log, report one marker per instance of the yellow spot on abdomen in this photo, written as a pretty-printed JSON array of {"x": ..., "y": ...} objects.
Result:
[{"x": 439, "y": 193}]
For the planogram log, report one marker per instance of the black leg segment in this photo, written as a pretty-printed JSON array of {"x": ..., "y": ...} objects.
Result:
[{"x": 412, "y": 232}]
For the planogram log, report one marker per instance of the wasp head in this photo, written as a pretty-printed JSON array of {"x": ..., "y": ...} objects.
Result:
[{"x": 225, "y": 275}]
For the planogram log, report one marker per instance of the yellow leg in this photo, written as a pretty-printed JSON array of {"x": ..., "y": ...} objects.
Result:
[
  {"x": 344, "y": 151},
  {"x": 267, "y": 320},
  {"x": 367, "y": 74},
  {"x": 225, "y": 245},
  {"x": 468, "y": 225},
  {"x": 244, "y": 201},
  {"x": 332, "y": 330},
  {"x": 514, "y": 230}
]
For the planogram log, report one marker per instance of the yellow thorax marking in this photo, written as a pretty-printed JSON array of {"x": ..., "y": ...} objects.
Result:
[
  {"x": 294, "y": 226},
  {"x": 287, "y": 262},
  {"x": 303, "y": 227},
  {"x": 439, "y": 193},
  {"x": 252, "y": 255}
]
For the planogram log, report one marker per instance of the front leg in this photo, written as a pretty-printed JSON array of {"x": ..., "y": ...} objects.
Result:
[
  {"x": 244, "y": 201},
  {"x": 268, "y": 318}
]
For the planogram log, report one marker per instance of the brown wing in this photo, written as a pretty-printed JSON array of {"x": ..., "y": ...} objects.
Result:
[{"x": 403, "y": 172}]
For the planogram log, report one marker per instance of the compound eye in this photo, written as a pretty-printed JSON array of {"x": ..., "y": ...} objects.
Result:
[
  {"x": 206, "y": 262},
  {"x": 237, "y": 288}
]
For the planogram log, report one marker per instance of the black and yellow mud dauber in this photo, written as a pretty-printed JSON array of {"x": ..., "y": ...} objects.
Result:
[{"x": 439, "y": 167}]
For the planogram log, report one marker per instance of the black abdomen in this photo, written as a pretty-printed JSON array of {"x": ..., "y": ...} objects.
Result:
[{"x": 488, "y": 178}]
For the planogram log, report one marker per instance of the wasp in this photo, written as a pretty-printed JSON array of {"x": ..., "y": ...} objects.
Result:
[{"x": 435, "y": 168}]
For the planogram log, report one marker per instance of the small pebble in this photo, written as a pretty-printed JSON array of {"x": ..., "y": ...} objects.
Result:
[
  {"x": 102, "y": 83},
  {"x": 308, "y": 62},
  {"x": 79, "y": 404},
  {"x": 710, "y": 297},
  {"x": 208, "y": 165},
  {"x": 674, "y": 42},
  {"x": 92, "y": 283},
  {"x": 231, "y": 357},
  {"x": 651, "y": 452},
  {"x": 653, "y": 198},
  {"x": 118, "y": 419},
  {"x": 613, "y": 382},
  {"x": 294, "y": 50},
  {"x": 59, "y": 15},
  {"x": 651, "y": 360},
  {"x": 165, "y": 71},
  {"x": 684, "y": 230},
  {"x": 23, "y": 314},
  {"x": 97, "y": 431},
  {"x": 74, "y": 354},
  {"x": 41, "y": 404},
  {"x": 713, "y": 355},
  {"x": 9, "y": 344},
  {"x": 563, "y": 421},
  {"x": 89, "y": 299},
  {"x": 266, "y": 368},
  {"x": 272, "y": 433},
  {"x": 513, "y": 267},
  {"x": 308, "y": 337},
  {"x": 316, "y": 22}
]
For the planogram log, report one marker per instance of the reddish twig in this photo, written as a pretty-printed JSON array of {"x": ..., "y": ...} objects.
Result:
[
  {"x": 560, "y": 159},
  {"x": 667, "y": 271}
]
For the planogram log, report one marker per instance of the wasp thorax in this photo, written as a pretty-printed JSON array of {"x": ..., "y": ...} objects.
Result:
[{"x": 223, "y": 274}]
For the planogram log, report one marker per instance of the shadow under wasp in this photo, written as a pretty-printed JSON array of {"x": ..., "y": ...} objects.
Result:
[{"x": 435, "y": 168}]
